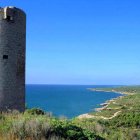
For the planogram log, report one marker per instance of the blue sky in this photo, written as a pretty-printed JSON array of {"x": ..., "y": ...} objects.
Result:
[{"x": 82, "y": 41}]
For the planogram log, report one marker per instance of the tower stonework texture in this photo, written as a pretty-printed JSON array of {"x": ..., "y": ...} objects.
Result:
[{"x": 12, "y": 59}]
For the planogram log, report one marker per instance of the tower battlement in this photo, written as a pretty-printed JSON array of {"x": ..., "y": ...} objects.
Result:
[{"x": 10, "y": 11}]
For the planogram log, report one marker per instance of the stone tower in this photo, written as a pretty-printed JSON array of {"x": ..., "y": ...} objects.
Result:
[{"x": 12, "y": 58}]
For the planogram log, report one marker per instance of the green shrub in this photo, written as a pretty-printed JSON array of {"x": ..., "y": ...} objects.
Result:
[
  {"x": 70, "y": 131},
  {"x": 35, "y": 111}
]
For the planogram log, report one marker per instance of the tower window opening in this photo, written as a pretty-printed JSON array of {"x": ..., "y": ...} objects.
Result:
[
  {"x": 5, "y": 56},
  {"x": 9, "y": 18}
]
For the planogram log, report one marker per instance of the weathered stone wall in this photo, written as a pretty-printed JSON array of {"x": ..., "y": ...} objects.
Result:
[{"x": 12, "y": 59}]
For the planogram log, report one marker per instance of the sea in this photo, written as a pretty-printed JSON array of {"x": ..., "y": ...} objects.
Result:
[{"x": 67, "y": 100}]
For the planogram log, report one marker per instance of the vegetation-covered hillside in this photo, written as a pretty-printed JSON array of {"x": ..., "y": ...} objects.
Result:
[{"x": 34, "y": 124}]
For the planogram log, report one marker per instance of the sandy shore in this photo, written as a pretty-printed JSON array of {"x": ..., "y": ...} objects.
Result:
[{"x": 86, "y": 116}]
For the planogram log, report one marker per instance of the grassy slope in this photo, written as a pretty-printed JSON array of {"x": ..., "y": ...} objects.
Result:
[{"x": 34, "y": 124}]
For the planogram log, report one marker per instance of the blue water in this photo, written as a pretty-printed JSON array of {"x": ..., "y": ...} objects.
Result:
[{"x": 66, "y": 100}]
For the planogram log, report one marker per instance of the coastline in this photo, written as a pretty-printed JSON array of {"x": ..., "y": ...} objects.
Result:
[
  {"x": 119, "y": 92},
  {"x": 104, "y": 105}
]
